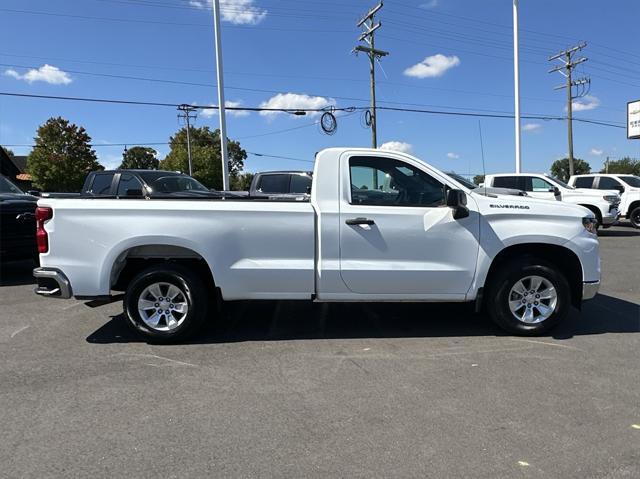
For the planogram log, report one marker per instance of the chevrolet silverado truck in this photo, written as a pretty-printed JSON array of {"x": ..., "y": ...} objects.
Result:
[
  {"x": 378, "y": 226},
  {"x": 627, "y": 185},
  {"x": 604, "y": 204}
]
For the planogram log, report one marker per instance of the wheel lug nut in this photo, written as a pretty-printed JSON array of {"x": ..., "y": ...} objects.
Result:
[
  {"x": 157, "y": 304},
  {"x": 159, "y": 310},
  {"x": 536, "y": 303},
  {"x": 171, "y": 306},
  {"x": 160, "y": 299},
  {"x": 537, "y": 295}
]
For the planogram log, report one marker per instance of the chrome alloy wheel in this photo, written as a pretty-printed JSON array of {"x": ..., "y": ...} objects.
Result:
[
  {"x": 532, "y": 299},
  {"x": 162, "y": 306}
]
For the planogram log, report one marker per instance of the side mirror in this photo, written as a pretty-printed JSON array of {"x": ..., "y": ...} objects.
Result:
[
  {"x": 556, "y": 192},
  {"x": 620, "y": 188},
  {"x": 34, "y": 192},
  {"x": 457, "y": 201}
]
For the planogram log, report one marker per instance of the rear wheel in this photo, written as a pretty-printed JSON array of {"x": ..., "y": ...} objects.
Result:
[
  {"x": 166, "y": 303},
  {"x": 528, "y": 297},
  {"x": 634, "y": 217}
]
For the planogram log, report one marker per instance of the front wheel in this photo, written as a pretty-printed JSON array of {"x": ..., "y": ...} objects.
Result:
[
  {"x": 165, "y": 303},
  {"x": 634, "y": 217},
  {"x": 528, "y": 298}
]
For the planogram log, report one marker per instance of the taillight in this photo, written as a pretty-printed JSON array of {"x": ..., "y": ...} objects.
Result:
[{"x": 43, "y": 213}]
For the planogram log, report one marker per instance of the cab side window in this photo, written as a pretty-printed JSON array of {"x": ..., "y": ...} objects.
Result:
[
  {"x": 513, "y": 182},
  {"x": 584, "y": 182},
  {"x": 101, "y": 184},
  {"x": 387, "y": 182},
  {"x": 538, "y": 185},
  {"x": 129, "y": 185},
  {"x": 607, "y": 183}
]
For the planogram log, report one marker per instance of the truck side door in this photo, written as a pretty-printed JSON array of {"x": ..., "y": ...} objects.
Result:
[{"x": 397, "y": 236}]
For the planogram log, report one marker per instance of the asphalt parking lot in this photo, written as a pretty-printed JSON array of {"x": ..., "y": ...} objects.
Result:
[{"x": 287, "y": 389}]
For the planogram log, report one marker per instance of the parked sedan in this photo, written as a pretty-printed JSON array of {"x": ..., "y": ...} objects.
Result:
[{"x": 17, "y": 223}]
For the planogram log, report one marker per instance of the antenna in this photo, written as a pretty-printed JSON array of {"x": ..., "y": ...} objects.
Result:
[{"x": 484, "y": 172}]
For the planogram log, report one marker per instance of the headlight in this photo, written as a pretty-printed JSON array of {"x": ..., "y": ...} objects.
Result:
[
  {"x": 590, "y": 224},
  {"x": 613, "y": 199}
]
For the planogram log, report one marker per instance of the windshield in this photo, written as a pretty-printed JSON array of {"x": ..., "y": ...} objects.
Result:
[
  {"x": 631, "y": 180},
  {"x": 7, "y": 187},
  {"x": 462, "y": 180},
  {"x": 161, "y": 182}
]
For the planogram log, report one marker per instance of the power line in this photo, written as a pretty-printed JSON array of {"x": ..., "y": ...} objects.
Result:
[{"x": 347, "y": 110}]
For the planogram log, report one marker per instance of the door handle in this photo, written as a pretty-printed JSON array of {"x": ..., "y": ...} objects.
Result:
[{"x": 360, "y": 221}]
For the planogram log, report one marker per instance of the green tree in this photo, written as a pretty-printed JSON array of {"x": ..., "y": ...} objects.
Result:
[
  {"x": 625, "y": 165},
  {"x": 205, "y": 156},
  {"x": 560, "y": 168},
  {"x": 242, "y": 182},
  {"x": 140, "y": 157},
  {"x": 478, "y": 179},
  {"x": 62, "y": 156}
]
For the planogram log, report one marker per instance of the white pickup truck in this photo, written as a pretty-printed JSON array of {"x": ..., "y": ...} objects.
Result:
[
  {"x": 604, "y": 204},
  {"x": 379, "y": 226},
  {"x": 627, "y": 185}
]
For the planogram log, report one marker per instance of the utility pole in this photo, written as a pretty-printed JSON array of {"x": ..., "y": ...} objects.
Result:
[
  {"x": 187, "y": 111},
  {"x": 606, "y": 166},
  {"x": 516, "y": 81},
  {"x": 565, "y": 69},
  {"x": 221, "y": 105},
  {"x": 369, "y": 25}
]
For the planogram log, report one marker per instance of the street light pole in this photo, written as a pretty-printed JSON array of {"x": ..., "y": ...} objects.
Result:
[
  {"x": 221, "y": 105},
  {"x": 516, "y": 80}
]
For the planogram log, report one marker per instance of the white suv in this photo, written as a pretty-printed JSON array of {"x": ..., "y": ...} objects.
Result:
[
  {"x": 604, "y": 204},
  {"x": 627, "y": 185}
]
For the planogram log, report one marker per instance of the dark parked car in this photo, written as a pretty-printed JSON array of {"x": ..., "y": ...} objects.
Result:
[
  {"x": 270, "y": 184},
  {"x": 145, "y": 184},
  {"x": 17, "y": 223}
]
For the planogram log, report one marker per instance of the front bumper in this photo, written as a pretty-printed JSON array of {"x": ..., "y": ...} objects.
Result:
[
  {"x": 611, "y": 216},
  {"x": 590, "y": 289},
  {"x": 52, "y": 283}
]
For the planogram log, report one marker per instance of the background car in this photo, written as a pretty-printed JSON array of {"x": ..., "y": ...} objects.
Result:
[{"x": 17, "y": 223}]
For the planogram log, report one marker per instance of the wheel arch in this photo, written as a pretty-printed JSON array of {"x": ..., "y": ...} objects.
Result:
[
  {"x": 133, "y": 259},
  {"x": 566, "y": 260},
  {"x": 634, "y": 204},
  {"x": 595, "y": 211}
]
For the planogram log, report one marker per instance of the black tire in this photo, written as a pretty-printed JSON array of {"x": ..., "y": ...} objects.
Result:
[
  {"x": 634, "y": 217},
  {"x": 499, "y": 295},
  {"x": 193, "y": 294}
]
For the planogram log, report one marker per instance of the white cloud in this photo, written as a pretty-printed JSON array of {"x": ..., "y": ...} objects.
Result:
[
  {"x": 430, "y": 4},
  {"x": 588, "y": 102},
  {"x": 453, "y": 156},
  {"x": 209, "y": 112},
  {"x": 531, "y": 127},
  {"x": 596, "y": 152},
  {"x": 46, "y": 73},
  {"x": 238, "y": 12},
  {"x": 433, "y": 66},
  {"x": 295, "y": 101},
  {"x": 400, "y": 146}
]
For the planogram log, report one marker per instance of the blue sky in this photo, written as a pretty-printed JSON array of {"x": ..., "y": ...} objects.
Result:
[{"x": 452, "y": 55}]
